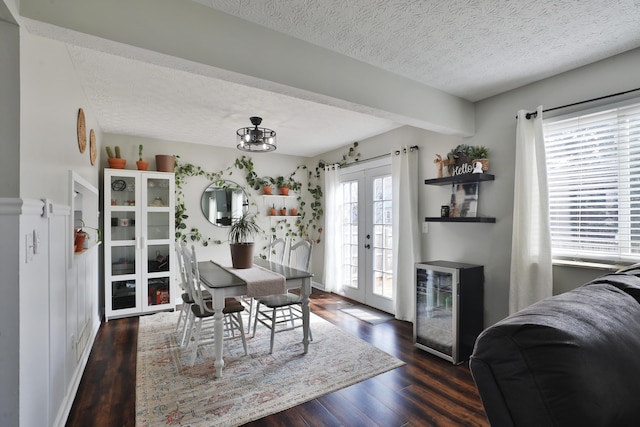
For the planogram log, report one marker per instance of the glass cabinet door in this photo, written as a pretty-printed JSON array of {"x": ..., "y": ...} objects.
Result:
[
  {"x": 158, "y": 220},
  {"x": 435, "y": 304},
  {"x": 122, "y": 225}
]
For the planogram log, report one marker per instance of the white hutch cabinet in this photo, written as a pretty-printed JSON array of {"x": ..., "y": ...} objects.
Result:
[{"x": 139, "y": 231}]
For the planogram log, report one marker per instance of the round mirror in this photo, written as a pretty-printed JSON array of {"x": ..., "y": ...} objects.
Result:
[{"x": 222, "y": 201}]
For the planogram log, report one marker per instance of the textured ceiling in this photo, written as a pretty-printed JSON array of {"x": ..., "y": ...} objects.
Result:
[
  {"x": 472, "y": 49},
  {"x": 139, "y": 98},
  {"x": 469, "y": 48}
]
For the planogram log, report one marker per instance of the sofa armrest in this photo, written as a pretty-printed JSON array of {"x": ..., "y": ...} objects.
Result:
[
  {"x": 494, "y": 402},
  {"x": 571, "y": 359}
]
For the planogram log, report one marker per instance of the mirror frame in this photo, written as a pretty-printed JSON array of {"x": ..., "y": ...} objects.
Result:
[{"x": 230, "y": 188}]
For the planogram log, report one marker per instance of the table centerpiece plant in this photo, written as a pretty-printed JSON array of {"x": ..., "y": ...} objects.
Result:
[{"x": 241, "y": 232}]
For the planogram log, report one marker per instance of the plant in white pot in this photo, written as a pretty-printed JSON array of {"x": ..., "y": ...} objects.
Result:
[{"x": 241, "y": 233}]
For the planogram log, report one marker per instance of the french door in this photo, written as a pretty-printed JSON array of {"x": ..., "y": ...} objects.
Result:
[{"x": 367, "y": 254}]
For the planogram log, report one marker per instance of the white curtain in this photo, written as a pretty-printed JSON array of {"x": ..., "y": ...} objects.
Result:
[
  {"x": 406, "y": 229},
  {"x": 332, "y": 227},
  {"x": 531, "y": 275}
]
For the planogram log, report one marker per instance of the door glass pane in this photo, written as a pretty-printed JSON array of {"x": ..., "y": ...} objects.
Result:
[
  {"x": 158, "y": 225},
  {"x": 377, "y": 283},
  {"x": 123, "y": 226},
  {"x": 378, "y": 236},
  {"x": 123, "y": 260},
  {"x": 157, "y": 192},
  {"x": 434, "y": 325},
  {"x": 158, "y": 291},
  {"x": 123, "y": 294},
  {"x": 158, "y": 258},
  {"x": 350, "y": 233},
  {"x": 382, "y": 237},
  {"x": 123, "y": 191}
]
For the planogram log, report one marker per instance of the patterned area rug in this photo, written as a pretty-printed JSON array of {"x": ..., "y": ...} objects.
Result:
[{"x": 170, "y": 392}]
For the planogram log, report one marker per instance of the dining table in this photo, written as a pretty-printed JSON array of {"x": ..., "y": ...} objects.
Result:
[{"x": 221, "y": 283}]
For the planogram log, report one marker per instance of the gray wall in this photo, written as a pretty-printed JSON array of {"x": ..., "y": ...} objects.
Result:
[
  {"x": 490, "y": 244},
  {"x": 495, "y": 127}
]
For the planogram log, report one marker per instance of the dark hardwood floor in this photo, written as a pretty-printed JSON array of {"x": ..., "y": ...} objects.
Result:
[{"x": 427, "y": 391}]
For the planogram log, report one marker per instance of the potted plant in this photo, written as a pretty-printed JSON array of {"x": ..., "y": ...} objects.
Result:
[
  {"x": 480, "y": 153},
  {"x": 115, "y": 161},
  {"x": 142, "y": 165},
  {"x": 282, "y": 185},
  {"x": 165, "y": 162},
  {"x": 81, "y": 237},
  {"x": 267, "y": 188},
  {"x": 241, "y": 231},
  {"x": 283, "y": 211},
  {"x": 272, "y": 211},
  {"x": 285, "y": 184}
]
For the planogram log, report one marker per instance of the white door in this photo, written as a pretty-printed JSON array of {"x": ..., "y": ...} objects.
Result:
[{"x": 366, "y": 236}]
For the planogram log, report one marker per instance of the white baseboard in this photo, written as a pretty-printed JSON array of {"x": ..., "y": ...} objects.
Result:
[{"x": 67, "y": 403}]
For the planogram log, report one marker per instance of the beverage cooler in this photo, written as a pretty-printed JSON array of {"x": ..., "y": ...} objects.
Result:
[{"x": 449, "y": 308}]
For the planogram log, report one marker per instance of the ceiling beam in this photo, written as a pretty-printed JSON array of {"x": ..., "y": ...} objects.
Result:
[{"x": 243, "y": 52}]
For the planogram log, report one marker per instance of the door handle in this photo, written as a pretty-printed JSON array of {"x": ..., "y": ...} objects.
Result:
[{"x": 367, "y": 246}]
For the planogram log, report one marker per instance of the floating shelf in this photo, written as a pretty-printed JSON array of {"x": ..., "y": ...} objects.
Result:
[
  {"x": 466, "y": 178},
  {"x": 461, "y": 179},
  {"x": 485, "y": 219}
]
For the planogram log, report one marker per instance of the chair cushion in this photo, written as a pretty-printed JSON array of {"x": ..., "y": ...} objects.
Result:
[
  {"x": 280, "y": 300},
  {"x": 231, "y": 305},
  {"x": 186, "y": 298}
]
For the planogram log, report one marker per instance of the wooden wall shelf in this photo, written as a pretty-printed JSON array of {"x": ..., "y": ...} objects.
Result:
[
  {"x": 461, "y": 179},
  {"x": 485, "y": 219}
]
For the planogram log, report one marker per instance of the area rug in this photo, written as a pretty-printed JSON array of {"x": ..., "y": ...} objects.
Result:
[
  {"x": 170, "y": 392},
  {"x": 367, "y": 314}
]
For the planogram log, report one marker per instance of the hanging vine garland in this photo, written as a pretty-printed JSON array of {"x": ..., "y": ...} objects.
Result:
[{"x": 305, "y": 227}]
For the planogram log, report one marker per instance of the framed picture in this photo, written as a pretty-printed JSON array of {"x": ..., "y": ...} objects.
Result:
[{"x": 464, "y": 200}]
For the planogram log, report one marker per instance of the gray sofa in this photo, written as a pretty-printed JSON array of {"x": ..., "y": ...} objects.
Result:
[{"x": 569, "y": 360}]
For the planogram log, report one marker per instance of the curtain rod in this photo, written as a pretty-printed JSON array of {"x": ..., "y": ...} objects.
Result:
[
  {"x": 412, "y": 148},
  {"x": 535, "y": 113}
]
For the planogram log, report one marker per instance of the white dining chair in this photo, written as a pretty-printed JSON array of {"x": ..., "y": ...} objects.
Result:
[
  {"x": 202, "y": 309},
  {"x": 276, "y": 251},
  {"x": 284, "y": 308},
  {"x": 187, "y": 301},
  {"x": 300, "y": 255}
]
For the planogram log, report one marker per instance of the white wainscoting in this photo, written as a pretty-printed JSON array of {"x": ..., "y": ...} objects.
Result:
[{"x": 49, "y": 324}]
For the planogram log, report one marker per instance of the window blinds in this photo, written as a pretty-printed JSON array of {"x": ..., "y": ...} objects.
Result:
[{"x": 593, "y": 165}]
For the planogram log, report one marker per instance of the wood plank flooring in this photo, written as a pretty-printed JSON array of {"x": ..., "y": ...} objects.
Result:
[{"x": 427, "y": 391}]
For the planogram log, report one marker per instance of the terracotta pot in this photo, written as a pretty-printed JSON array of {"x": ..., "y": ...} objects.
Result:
[
  {"x": 272, "y": 212},
  {"x": 241, "y": 255},
  {"x": 79, "y": 243},
  {"x": 294, "y": 212},
  {"x": 115, "y": 163},
  {"x": 165, "y": 162},
  {"x": 267, "y": 189},
  {"x": 283, "y": 211},
  {"x": 142, "y": 166},
  {"x": 284, "y": 191}
]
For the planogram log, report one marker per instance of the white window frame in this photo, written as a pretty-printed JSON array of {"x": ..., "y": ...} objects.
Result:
[{"x": 622, "y": 249}]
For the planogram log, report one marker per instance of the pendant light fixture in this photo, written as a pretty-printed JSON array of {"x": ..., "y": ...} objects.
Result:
[{"x": 256, "y": 139}]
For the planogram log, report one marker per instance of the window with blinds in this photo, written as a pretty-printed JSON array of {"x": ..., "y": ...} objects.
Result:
[{"x": 593, "y": 166}]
